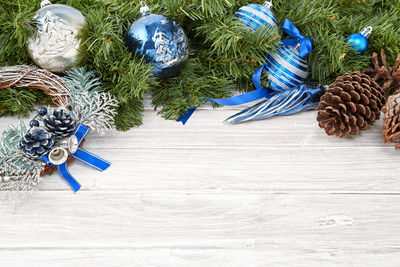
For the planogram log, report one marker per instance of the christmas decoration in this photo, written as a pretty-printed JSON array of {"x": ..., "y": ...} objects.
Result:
[
  {"x": 55, "y": 44},
  {"x": 224, "y": 52},
  {"x": 292, "y": 101},
  {"x": 55, "y": 140},
  {"x": 34, "y": 78},
  {"x": 359, "y": 41},
  {"x": 160, "y": 40},
  {"x": 351, "y": 103},
  {"x": 36, "y": 143},
  {"x": 389, "y": 78},
  {"x": 255, "y": 16},
  {"x": 287, "y": 68},
  {"x": 59, "y": 124},
  {"x": 391, "y": 121}
]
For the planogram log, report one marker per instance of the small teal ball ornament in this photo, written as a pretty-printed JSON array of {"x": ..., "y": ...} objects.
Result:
[
  {"x": 359, "y": 41},
  {"x": 160, "y": 40},
  {"x": 255, "y": 16},
  {"x": 286, "y": 69}
]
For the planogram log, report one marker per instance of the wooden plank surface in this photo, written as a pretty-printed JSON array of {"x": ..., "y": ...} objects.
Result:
[{"x": 277, "y": 192}]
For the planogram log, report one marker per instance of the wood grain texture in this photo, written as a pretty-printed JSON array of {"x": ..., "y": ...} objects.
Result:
[{"x": 277, "y": 192}]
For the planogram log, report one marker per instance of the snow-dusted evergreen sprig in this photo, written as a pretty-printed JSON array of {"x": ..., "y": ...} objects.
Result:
[
  {"x": 17, "y": 173},
  {"x": 89, "y": 105}
]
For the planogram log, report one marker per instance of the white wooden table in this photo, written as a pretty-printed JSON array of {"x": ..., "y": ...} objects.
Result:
[{"x": 277, "y": 192}]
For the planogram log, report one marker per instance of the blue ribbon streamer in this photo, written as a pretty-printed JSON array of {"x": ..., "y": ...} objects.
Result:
[
  {"x": 231, "y": 101},
  {"x": 90, "y": 159},
  {"x": 305, "y": 43}
]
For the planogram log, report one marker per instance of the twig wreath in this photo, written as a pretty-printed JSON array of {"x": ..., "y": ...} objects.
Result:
[
  {"x": 35, "y": 78},
  {"x": 54, "y": 136}
]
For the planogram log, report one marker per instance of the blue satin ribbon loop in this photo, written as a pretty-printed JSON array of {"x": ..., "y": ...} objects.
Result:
[
  {"x": 305, "y": 43},
  {"x": 64, "y": 172},
  {"x": 186, "y": 117},
  {"x": 81, "y": 131},
  {"x": 257, "y": 77},
  {"x": 90, "y": 159}
]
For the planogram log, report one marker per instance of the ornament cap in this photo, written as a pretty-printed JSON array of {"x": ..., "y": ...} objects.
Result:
[
  {"x": 268, "y": 4},
  {"x": 366, "y": 32},
  {"x": 73, "y": 144},
  {"x": 45, "y": 3},
  {"x": 58, "y": 156},
  {"x": 145, "y": 10}
]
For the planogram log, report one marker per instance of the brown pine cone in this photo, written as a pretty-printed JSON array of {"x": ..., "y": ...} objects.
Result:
[
  {"x": 387, "y": 77},
  {"x": 350, "y": 104},
  {"x": 391, "y": 121}
]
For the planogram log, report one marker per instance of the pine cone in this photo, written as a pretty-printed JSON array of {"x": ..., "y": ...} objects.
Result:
[
  {"x": 391, "y": 121},
  {"x": 389, "y": 78},
  {"x": 350, "y": 104},
  {"x": 59, "y": 124},
  {"x": 36, "y": 143}
]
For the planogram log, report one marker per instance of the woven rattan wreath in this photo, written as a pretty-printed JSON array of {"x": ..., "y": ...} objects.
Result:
[{"x": 34, "y": 78}]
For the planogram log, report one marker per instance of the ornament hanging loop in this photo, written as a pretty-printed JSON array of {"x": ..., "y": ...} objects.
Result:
[
  {"x": 45, "y": 3},
  {"x": 145, "y": 10},
  {"x": 366, "y": 32},
  {"x": 268, "y": 4}
]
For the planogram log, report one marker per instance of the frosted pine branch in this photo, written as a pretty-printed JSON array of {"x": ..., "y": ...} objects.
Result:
[
  {"x": 96, "y": 110},
  {"x": 17, "y": 173}
]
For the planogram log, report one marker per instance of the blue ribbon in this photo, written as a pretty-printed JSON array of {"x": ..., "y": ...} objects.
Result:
[
  {"x": 305, "y": 43},
  {"x": 90, "y": 159},
  {"x": 260, "y": 92},
  {"x": 231, "y": 101}
]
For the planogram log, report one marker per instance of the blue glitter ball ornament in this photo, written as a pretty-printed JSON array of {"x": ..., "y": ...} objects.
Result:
[
  {"x": 160, "y": 40},
  {"x": 359, "y": 41},
  {"x": 286, "y": 69},
  {"x": 255, "y": 16}
]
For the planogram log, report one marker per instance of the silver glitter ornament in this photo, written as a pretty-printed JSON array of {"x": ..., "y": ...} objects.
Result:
[{"x": 55, "y": 44}]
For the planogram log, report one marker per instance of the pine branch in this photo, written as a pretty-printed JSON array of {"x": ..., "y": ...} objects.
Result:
[
  {"x": 195, "y": 83},
  {"x": 226, "y": 52}
]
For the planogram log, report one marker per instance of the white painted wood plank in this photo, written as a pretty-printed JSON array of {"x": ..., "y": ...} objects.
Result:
[
  {"x": 277, "y": 192},
  {"x": 256, "y": 170},
  {"x": 248, "y": 257},
  {"x": 354, "y": 222},
  {"x": 206, "y": 130},
  {"x": 220, "y": 157}
]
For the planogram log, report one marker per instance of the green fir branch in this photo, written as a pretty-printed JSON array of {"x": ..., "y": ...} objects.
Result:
[{"x": 224, "y": 53}]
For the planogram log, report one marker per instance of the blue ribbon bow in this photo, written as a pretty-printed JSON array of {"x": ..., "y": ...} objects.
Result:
[
  {"x": 305, "y": 43},
  {"x": 81, "y": 131}
]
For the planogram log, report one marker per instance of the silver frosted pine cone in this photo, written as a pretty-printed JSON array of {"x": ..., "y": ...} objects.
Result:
[
  {"x": 37, "y": 142},
  {"x": 60, "y": 124},
  {"x": 55, "y": 44}
]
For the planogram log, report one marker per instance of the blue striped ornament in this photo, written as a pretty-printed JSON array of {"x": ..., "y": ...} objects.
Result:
[
  {"x": 286, "y": 69},
  {"x": 255, "y": 15}
]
